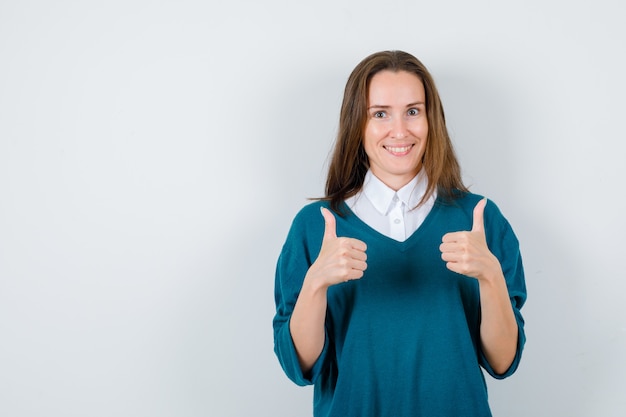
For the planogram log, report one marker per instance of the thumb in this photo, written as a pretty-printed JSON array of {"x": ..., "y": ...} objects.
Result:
[
  {"x": 330, "y": 228},
  {"x": 479, "y": 218}
]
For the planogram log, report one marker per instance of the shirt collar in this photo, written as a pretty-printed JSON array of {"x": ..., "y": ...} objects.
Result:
[{"x": 381, "y": 196}]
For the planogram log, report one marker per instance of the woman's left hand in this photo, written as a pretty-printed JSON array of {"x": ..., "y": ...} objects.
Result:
[{"x": 467, "y": 252}]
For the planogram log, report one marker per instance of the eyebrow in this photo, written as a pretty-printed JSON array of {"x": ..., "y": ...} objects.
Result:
[{"x": 380, "y": 106}]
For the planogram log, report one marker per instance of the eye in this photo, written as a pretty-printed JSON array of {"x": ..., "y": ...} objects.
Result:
[
  {"x": 379, "y": 114},
  {"x": 413, "y": 112}
]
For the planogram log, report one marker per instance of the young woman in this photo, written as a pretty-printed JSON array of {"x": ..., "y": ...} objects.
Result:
[{"x": 394, "y": 290}]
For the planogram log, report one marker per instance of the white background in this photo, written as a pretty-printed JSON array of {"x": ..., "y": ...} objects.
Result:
[{"x": 154, "y": 153}]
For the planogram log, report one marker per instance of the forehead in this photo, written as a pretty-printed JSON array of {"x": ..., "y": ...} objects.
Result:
[{"x": 388, "y": 87}]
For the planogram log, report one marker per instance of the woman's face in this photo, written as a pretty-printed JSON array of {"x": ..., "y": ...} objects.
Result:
[{"x": 397, "y": 127}]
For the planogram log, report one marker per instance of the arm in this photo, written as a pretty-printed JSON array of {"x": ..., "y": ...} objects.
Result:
[
  {"x": 498, "y": 327},
  {"x": 339, "y": 260},
  {"x": 467, "y": 253}
]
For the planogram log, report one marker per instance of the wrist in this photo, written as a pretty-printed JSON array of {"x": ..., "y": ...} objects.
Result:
[
  {"x": 492, "y": 277},
  {"x": 314, "y": 286}
]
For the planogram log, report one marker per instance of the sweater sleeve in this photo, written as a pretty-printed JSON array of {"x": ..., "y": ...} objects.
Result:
[
  {"x": 504, "y": 245},
  {"x": 293, "y": 263}
]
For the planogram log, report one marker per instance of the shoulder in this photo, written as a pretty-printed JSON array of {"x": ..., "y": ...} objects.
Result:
[
  {"x": 497, "y": 227},
  {"x": 463, "y": 205},
  {"x": 308, "y": 223},
  {"x": 310, "y": 213},
  {"x": 466, "y": 201}
]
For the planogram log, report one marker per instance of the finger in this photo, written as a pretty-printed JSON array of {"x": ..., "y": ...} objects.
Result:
[
  {"x": 358, "y": 244},
  {"x": 355, "y": 274},
  {"x": 479, "y": 222},
  {"x": 448, "y": 247},
  {"x": 351, "y": 248},
  {"x": 452, "y": 237},
  {"x": 456, "y": 237},
  {"x": 454, "y": 267},
  {"x": 452, "y": 257},
  {"x": 358, "y": 265},
  {"x": 358, "y": 255},
  {"x": 330, "y": 226}
]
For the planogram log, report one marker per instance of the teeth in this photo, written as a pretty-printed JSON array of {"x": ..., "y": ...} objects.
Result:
[{"x": 398, "y": 150}]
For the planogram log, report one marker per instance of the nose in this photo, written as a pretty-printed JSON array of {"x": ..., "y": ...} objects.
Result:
[{"x": 398, "y": 128}]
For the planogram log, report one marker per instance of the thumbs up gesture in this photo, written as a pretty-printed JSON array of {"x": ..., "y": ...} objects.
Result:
[
  {"x": 467, "y": 252},
  {"x": 340, "y": 259}
]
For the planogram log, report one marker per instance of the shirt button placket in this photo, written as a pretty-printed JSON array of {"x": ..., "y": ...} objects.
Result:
[{"x": 396, "y": 220}]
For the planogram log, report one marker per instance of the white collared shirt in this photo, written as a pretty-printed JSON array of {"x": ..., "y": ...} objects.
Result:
[{"x": 389, "y": 212}]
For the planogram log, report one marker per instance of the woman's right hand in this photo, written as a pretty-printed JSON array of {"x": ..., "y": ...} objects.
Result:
[{"x": 340, "y": 259}]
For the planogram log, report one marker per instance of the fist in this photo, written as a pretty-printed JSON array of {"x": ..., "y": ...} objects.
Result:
[
  {"x": 466, "y": 252},
  {"x": 340, "y": 259}
]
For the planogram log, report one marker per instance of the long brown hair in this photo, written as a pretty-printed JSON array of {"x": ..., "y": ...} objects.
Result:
[{"x": 349, "y": 162}]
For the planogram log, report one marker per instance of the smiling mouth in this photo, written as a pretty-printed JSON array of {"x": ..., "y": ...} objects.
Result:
[{"x": 398, "y": 150}]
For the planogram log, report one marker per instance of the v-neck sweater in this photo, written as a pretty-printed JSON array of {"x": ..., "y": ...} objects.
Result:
[{"x": 404, "y": 340}]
